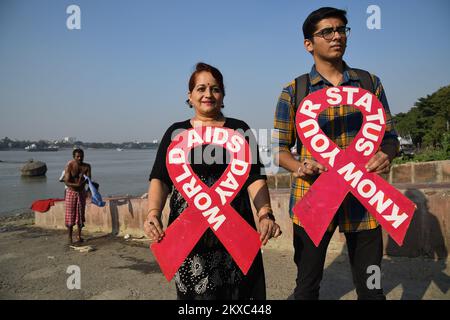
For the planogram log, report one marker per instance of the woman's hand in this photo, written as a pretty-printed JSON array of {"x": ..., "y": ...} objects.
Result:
[
  {"x": 157, "y": 195},
  {"x": 268, "y": 229},
  {"x": 153, "y": 228},
  {"x": 259, "y": 193}
]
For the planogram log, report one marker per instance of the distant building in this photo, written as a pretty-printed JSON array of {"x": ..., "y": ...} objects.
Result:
[
  {"x": 405, "y": 140},
  {"x": 69, "y": 139},
  {"x": 407, "y": 148}
]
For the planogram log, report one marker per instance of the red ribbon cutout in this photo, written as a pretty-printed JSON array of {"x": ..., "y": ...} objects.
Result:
[
  {"x": 207, "y": 207},
  {"x": 346, "y": 168}
]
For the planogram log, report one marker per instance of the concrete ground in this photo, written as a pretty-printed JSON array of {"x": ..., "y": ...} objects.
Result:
[{"x": 34, "y": 263}]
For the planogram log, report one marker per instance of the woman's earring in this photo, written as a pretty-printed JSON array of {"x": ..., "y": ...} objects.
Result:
[
  {"x": 188, "y": 102},
  {"x": 223, "y": 106}
]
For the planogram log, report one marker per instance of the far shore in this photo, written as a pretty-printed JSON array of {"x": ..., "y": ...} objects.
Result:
[{"x": 84, "y": 148}]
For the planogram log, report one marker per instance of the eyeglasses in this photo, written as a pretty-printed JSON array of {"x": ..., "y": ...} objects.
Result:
[{"x": 328, "y": 33}]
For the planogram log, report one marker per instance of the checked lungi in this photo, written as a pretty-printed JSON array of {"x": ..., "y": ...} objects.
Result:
[{"x": 75, "y": 203}]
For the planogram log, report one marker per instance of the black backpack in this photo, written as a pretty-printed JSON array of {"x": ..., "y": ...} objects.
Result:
[{"x": 302, "y": 87}]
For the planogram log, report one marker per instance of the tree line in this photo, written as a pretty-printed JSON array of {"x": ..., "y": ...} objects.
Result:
[
  {"x": 428, "y": 121},
  {"x": 9, "y": 144}
]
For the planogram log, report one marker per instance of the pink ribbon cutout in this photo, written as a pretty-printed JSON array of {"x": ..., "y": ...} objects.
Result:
[
  {"x": 207, "y": 207},
  {"x": 346, "y": 168}
]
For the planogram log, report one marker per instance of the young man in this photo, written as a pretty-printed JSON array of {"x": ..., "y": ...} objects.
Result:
[
  {"x": 75, "y": 199},
  {"x": 325, "y": 37}
]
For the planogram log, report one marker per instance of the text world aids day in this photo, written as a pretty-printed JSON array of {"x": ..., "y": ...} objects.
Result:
[
  {"x": 208, "y": 207},
  {"x": 346, "y": 168}
]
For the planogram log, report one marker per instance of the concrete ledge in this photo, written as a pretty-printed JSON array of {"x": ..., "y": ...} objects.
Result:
[
  {"x": 119, "y": 216},
  {"x": 426, "y": 184},
  {"x": 432, "y": 172},
  {"x": 428, "y": 235}
]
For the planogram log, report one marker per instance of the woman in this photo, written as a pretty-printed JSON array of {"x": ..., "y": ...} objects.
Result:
[{"x": 209, "y": 271}]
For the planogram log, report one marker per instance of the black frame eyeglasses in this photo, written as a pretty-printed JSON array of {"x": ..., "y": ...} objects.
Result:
[{"x": 328, "y": 33}]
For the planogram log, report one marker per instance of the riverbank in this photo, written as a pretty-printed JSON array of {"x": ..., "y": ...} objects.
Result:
[
  {"x": 118, "y": 173},
  {"x": 34, "y": 261}
]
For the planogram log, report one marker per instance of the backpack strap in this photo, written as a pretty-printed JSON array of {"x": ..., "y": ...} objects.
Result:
[
  {"x": 366, "y": 80},
  {"x": 301, "y": 91}
]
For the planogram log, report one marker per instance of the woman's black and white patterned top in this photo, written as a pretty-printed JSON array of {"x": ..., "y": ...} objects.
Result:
[{"x": 209, "y": 268}]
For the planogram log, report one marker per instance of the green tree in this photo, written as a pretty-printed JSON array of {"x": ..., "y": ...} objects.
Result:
[{"x": 428, "y": 120}]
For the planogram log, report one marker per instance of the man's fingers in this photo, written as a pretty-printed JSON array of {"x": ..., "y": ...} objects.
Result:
[
  {"x": 311, "y": 167},
  {"x": 378, "y": 162},
  {"x": 323, "y": 170},
  {"x": 372, "y": 163},
  {"x": 372, "y": 167},
  {"x": 308, "y": 171},
  {"x": 384, "y": 168},
  {"x": 319, "y": 168}
]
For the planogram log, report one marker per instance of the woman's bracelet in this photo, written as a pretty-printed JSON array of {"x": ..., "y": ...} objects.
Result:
[
  {"x": 153, "y": 209},
  {"x": 267, "y": 215}
]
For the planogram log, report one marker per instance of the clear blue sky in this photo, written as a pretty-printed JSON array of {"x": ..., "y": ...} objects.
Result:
[{"x": 124, "y": 75}]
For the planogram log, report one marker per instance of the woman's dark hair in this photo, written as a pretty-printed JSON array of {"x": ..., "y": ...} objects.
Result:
[
  {"x": 200, "y": 67},
  {"x": 310, "y": 24},
  {"x": 78, "y": 150}
]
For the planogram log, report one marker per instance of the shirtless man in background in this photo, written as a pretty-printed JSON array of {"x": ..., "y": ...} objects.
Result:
[{"x": 75, "y": 199}]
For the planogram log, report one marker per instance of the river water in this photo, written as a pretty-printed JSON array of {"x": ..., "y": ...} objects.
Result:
[{"x": 117, "y": 172}]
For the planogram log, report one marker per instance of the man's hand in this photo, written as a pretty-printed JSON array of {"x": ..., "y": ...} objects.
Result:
[
  {"x": 81, "y": 182},
  {"x": 309, "y": 168},
  {"x": 379, "y": 163}
]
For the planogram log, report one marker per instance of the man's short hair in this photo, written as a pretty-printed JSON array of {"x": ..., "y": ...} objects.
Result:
[
  {"x": 310, "y": 24},
  {"x": 78, "y": 150}
]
